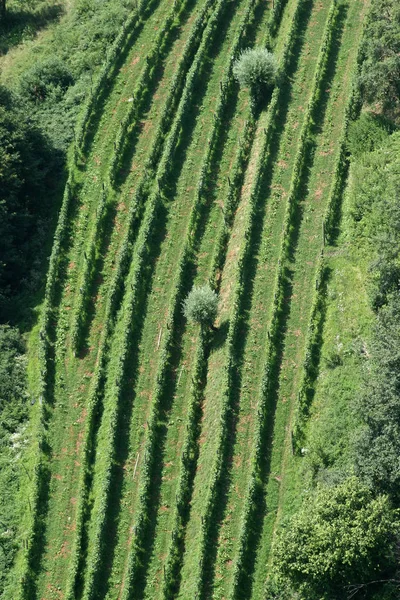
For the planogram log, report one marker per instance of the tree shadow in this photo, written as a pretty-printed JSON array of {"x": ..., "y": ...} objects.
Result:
[
  {"x": 219, "y": 336},
  {"x": 21, "y": 24}
]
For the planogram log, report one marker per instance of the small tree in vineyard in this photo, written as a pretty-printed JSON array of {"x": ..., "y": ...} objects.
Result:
[
  {"x": 201, "y": 306},
  {"x": 258, "y": 70}
]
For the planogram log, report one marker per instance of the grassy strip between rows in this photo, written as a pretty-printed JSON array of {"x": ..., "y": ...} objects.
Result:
[
  {"x": 133, "y": 220},
  {"x": 24, "y": 564},
  {"x": 212, "y": 500},
  {"x": 204, "y": 522},
  {"x": 310, "y": 366},
  {"x": 274, "y": 329},
  {"x": 116, "y": 374},
  {"x": 132, "y": 116}
]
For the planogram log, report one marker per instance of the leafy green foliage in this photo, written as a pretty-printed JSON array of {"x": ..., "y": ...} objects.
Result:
[
  {"x": 366, "y": 134},
  {"x": 375, "y": 195},
  {"x": 378, "y": 443},
  {"x": 47, "y": 79},
  {"x": 256, "y": 69},
  {"x": 13, "y": 412},
  {"x": 201, "y": 305},
  {"x": 341, "y": 536},
  {"x": 379, "y": 78}
]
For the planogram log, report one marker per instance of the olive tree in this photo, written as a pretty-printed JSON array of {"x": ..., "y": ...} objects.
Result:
[
  {"x": 201, "y": 306},
  {"x": 258, "y": 70}
]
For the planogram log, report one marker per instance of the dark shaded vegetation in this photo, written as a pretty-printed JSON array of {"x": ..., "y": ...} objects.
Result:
[
  {"x": 38, "y": 113},
  {"x": 27, "y": 165},
  {"x": 13, "y": 413},
  {"x": 37, "y": 118}
]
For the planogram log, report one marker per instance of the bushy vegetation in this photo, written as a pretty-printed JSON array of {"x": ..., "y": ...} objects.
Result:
[
  {"x": 27, "y": 168},
  {"x": 13, "y": 413},
  {"x": 342, "y": 536},
  {"x": 257, "y": 69},
  {"x": 367, "y": 133},
  {"x": 201, "y": 306},
  {"x": 379, "y": 77}
]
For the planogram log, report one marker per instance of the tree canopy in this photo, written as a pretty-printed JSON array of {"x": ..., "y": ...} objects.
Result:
[
  {"x": 341, "y": 536},
  {"x": 201, "y": 305}
]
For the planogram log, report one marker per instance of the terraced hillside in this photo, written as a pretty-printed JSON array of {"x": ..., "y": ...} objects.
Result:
[{"x": 159, "y": 453}]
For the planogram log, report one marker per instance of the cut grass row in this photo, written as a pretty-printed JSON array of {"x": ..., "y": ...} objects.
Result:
[
  {"x": 123, "y": 336},
  {"x": 132, "y": 222},
  {"x": 262, "y": 259},
  {"x": 181, "y": 493},
  {"x": 187, "y": 257},
  {"x": 323, "y": 152},
  {"x": 93, "y": 394},
  {"x": 131, "y": 118},
  {"x": 315, "y": 327}
]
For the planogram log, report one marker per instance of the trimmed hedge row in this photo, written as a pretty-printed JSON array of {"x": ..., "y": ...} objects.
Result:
[
  {"x": 116, "y": 371},
  {"x": 108, "y": 71},
  {"x": 136, "y": 551},
  {"x": 278, "y": 301},
  {"x": 87, "y": 274},
  {"x": 329, "y": 229},
  {"x": 174, "y": 310},
  {"x": 152, "y": 62}
]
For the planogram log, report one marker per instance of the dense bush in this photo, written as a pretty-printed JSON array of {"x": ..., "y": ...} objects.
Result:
[
  {"x": 366, "y": 134},
  {"x": 380, "y": 67},
  {"x": 201, "y": 306},
  {"x": 13, "y": 412},
  {"x": 375, "y": 205},
  {"x": 47, "y": 79},
  {"x": 342, "y": 536},
  {"x": 258, "y": 70},
  {"x": 377, "y": 447}
]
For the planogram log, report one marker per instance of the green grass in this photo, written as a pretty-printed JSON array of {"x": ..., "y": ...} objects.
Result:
[
  {"x": 215, "y": 375},
  {"x": 154, "y": 327}
]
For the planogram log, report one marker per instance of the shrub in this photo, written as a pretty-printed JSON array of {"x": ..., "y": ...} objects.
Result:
[
  {"x": 49, "y": 78},
  {"x": 340, "y": 537},
  {"x": 201, "y": 306},
  {"x": 366, "y": 134},
  {"x": 258, "y": 70}
]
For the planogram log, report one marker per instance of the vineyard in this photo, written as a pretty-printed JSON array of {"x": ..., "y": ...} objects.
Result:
[{"x": 163, "y": 454}]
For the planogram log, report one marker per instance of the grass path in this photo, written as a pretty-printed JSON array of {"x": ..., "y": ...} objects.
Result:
[
  {"x": 73, "y": 377},
  {"x": 303, "y": 269}
]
